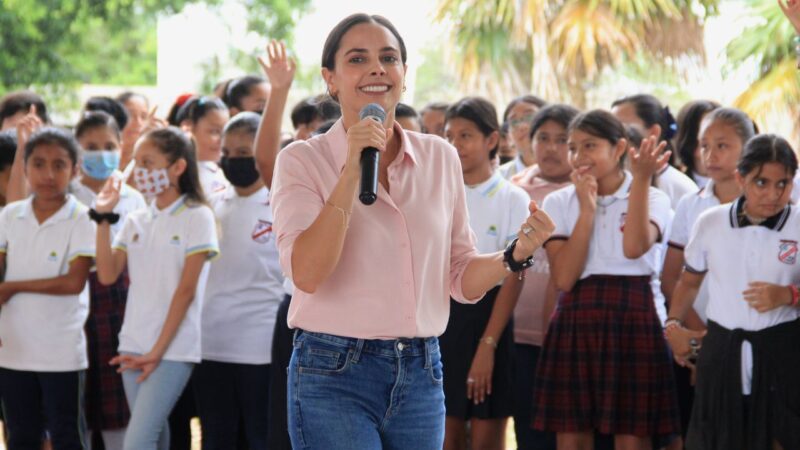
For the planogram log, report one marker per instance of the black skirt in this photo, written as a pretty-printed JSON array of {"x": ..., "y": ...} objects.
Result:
[
  {"x": 458, "y": 345},
  {"x": 724, "y": 419}
]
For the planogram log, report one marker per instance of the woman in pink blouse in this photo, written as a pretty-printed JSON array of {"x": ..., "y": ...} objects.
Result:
[{"x": 373, "y": 282}]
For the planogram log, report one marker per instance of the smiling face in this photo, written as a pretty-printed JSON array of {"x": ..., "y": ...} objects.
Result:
[
  {"x": 595, "y": 155},
  {"x": 368, "y": 69}
]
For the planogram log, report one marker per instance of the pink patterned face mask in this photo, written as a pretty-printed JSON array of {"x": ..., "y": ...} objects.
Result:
[{"x": 150, "y": 182}]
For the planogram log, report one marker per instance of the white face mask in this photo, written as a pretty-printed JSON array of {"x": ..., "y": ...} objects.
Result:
[{"x": 150, "y": 182}]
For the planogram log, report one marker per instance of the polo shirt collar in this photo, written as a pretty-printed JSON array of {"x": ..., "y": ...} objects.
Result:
[
  {"x": 173, "y": 209},
  {"x": 625, "y": 187},
  {"x": 739, "y": 219},
  {"x": 68, "y": 211},
  {"x": 708, "y": 190},
  {"x": 337, "y": 135}
]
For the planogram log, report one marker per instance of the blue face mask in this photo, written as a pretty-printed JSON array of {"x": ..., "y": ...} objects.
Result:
[{"x": 100, "y": 164}]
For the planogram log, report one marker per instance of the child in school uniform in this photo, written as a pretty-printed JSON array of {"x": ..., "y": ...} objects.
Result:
[
  {"x": 723, "y": 133},
  {"x": 747, "y": 395},
  {"x": 204, "y": 118},
  {"x": 106, "y": 408},
  {"x": 548, "y": 135},
  {"x": 166, "y": 248},
  {"x": 245, "y": 287},
  {"x": 46, "y": 250},
  {"x": 604, "y": 365},
  {"x": 477, "y": 345}
]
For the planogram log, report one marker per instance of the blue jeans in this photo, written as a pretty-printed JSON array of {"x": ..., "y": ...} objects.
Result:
[
  {"x": 346, "y": 393},
  {"x": 150, "y": 403}
]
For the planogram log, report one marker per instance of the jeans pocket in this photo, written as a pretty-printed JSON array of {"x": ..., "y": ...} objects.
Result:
[
  {"x": 435, "y": 370},
  {"x": 320, "y": 358}
]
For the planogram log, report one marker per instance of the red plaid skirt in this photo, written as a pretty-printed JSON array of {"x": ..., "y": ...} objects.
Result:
[
  {"x": 106, "y": 406},
  {"x": 605, "y": 365}
]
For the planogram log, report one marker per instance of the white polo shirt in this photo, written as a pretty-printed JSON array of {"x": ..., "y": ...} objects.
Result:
[
  {"x": 605, "y": 256},
  {"x": 689, "y": 209},
  {"x": 512, "y": 167},
  {"x": 212, "y": 179},
  {"x": 497, "y": 209},
  {"x": 41, "y": 332},
  {"x": 245, "y": 284},
  {"x": 675, "y": 184},
  {"x": 157, "y": 243},
  {"x": 129, "y": 200},
  {"x": 732, "y": 254}
]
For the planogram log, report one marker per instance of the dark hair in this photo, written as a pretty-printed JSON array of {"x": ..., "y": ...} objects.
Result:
[
  {"x": 110, "y": 106},
  {"x": 688, "y": 136},
  {"x": 244, "y": 122},
  {"x": 652, "y": 112},
  {"x": 173, "y": 143},
  {"x": 324, "y": 127},
  {"x": 532, "y": 99},
  {"x": 741, "y": 123},
  {"x": 559, "y": 113},
  {"x": 172, "y": 116},
  {"x": 15, "y": 102},
  {"x": 602, "y": 124},
  {"x": 96, "y": 119},
  {"x": 435, "y": 106},
  {"x": 403, "y": 110},
  {"x": 53, "y": 136},
  {"x": 8, "y": 147},
  {"x": 322, "y": 107},
  {"x": 197, "y": 107},
  {"x": 127, "y": 95},
  {"x": 239, "y": 88},
  {"x": 479, "y": 111},
  {"x": 767, "y": 148},
  {"x": 335, "y": 36},
  {"x": 634, "y": 136}
]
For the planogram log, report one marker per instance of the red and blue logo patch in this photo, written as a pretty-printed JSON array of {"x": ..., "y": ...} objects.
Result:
[{"x": 787, "y": 252}]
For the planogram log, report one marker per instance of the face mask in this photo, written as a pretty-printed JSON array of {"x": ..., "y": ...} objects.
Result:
[
  {"x": 241, "y": 172},
  {"x": 100, "y": 164},
  {"x": 151, "y": 182},
  {"x": 505, "y": 159}
]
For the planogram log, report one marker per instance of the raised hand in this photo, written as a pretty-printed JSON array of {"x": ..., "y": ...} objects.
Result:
[
  {"x": 108, "y": 197},
  {"x": 27, "y": 126},
  {"x": 152, "y": 122},
  {"x": 279, "y": 68},
  {"x": 649, "y": 159},
  {"x": 791, "y": 9}
]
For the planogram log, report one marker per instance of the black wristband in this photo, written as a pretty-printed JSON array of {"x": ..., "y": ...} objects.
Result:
[
  {"x": 110, "y": 217},
  {"x": 508, "y": 259}
]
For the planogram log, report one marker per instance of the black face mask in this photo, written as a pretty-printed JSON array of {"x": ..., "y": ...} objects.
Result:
[
  {"x": 241, "y": 172},
  {"x": 505, "y": 159}
]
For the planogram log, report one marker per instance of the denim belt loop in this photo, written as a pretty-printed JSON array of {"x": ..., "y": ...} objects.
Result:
[
  {"x": 357, "y": 352},
  {"x": 428, "y": 349},
  {"x": 296, "y": 335}
]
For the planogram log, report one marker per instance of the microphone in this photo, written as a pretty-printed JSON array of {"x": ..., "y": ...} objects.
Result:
[{"x": 370, "y": 158}]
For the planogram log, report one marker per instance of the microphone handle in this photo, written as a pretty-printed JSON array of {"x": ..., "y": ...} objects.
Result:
[{"x": 369, "y": 176}]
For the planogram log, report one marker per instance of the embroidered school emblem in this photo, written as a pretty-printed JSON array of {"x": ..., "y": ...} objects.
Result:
[
  {"x": 175, "y": 240},
  {"x": 53, "y": 256},
  {"x": 492, "y": 230},
  {"x": 787, "y": 252},
  {"x": 262, "y": 231}
]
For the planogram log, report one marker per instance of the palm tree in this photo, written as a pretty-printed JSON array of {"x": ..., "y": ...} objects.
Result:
[
  {"x": 776, "y": 88},
  {"x": 558, "y": 48}
]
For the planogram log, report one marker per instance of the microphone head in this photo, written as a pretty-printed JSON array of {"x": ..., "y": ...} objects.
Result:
[{"x": 374, "y": 111}]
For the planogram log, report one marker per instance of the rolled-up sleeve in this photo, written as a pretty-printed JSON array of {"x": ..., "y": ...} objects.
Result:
[
  {"x": 462, "y": 241},
  {"x": 296, "y": 203}
]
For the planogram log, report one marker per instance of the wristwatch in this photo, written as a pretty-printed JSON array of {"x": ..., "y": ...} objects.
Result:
[{"x": 508, "y": 259}]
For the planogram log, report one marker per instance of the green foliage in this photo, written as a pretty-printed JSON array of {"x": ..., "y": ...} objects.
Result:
[{"x": 66, "y": 42}]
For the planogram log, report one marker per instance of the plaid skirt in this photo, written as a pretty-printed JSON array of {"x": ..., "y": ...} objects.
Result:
[
  {"x": 106, "y": 406},
  {"x": 605, "y": 365}
]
